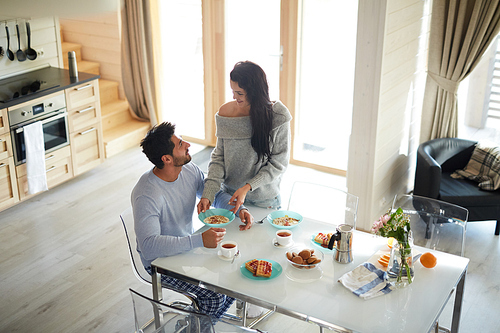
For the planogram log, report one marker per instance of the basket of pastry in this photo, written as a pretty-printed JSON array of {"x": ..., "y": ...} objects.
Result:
[
  {"x": 304, "y": 258},
  {"x": 259, "y": 268}
]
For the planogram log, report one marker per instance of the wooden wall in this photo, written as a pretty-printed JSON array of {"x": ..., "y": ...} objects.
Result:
[
  {"x": 44, "y": 39},
  {"x": 99, "y": 36},
  {"x": 389, "y": 85}
]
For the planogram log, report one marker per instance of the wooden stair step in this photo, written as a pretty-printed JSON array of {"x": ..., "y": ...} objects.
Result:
[
  {"x": 67, "y": 47},
  {"x": 124, "y": 136},
  {"x": 90, "y": 67},
  {"x": 114, "y": 114},
  {"x": 108, "y": 91}
]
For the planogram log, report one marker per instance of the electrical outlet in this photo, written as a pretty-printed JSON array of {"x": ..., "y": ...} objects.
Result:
[{"x": 40, "y": 53}]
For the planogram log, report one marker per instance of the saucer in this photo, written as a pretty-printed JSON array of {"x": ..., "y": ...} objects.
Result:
[
  {"x": 282, "y": 246},
  {"x": 221, "y": 257}
]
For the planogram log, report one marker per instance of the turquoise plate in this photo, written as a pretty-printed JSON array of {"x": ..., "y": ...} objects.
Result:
[
  {"x": 277, "y": 270},
  {"x": 216, "y": 211},
  {"x": 282, "y": 213}
]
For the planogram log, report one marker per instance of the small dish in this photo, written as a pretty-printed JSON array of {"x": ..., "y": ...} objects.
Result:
[
  {"x": 277, "y": 270},
  {"x": 318, "y": 255},
  {"x": 221, "y": 257},
  {"x": 216, "y": 211},
  {"x": 282, "y": 213},
  {"x": 275, "y": 244},
  {"x": 319, "y": 246}
]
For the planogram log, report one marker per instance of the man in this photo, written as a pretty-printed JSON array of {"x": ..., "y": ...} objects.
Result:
[{"x": 163, "y": 202}]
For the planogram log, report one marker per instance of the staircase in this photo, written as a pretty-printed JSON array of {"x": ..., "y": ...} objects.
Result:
[{"x": 120, "y": 130}]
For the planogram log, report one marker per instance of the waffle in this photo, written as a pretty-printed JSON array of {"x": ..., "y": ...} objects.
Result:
[
  {"x": 323, "y": 239},
  {"x": 252, "y": 265},
  {"x": 264, "y": 269}
]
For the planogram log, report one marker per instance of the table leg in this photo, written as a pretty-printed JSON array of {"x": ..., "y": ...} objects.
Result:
[
  {"x": 457, "y": 307},
  {"x": 157, "y": 295}
]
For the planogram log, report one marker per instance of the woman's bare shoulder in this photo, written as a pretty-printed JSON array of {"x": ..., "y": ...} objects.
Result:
[{"x": 227, "y": 109}]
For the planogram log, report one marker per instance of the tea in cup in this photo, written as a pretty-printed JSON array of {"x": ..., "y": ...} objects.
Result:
[
  {"x": 228, "y": 249},
  {"x": 284, "y": 237}
]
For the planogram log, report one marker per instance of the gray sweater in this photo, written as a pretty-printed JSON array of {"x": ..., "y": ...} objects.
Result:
[{"x": 234, "y": 161}]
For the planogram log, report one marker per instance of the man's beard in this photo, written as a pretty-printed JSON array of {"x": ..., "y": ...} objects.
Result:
[{"x": 180, "y": 161}]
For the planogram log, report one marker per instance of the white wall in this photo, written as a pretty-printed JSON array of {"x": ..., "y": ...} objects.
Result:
[{"x": 390, "y": 68}]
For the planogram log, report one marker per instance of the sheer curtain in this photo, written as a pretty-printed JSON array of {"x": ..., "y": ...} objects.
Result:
[
  {"x": 460, "y": 33},
  {"x": 137, "y": 59}
]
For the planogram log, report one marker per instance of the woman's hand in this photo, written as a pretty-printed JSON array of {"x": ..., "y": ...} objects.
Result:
[
  {"x": 203, "y": 205},
  {"x": 238, "y": 197},
  {"x": 246, "y": 218}
]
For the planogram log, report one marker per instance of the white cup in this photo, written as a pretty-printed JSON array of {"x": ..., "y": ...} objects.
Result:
[
  {"x": 284, "y": 237},
  {"x": 228, "y": 249}
]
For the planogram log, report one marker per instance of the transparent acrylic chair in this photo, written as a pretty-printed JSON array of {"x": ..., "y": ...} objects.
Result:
[
  {"x": 435, "y": 225},
  {"x": 310, "y": 200},
  {"x": 175, "y": 320},
  {"x": 127, "y": 219}
]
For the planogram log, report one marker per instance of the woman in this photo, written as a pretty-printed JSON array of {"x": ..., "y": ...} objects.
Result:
[{"x": 253, "y": 143}]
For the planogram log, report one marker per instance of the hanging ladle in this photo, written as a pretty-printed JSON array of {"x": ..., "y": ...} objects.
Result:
[
  {"x": 10, "y": 54},
  {"x": 20, "y": 54},
  {"x": 30, "y": 53}
]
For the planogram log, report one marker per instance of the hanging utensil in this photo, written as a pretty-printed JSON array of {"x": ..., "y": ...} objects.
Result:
[
  {"x": 30, "y": 53},
  {"x": 10, "y": 54},
  {"x": 1, "y": 52},
  {"x": 20, "y": 54}
]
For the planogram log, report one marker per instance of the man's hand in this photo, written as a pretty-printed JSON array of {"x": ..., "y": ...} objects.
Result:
[
  {"x": 246, "y": 218},
  {"x": 203, "y": 205},
  {"x": 238, "y": 197},
  {"x": 212, "y": 237}
]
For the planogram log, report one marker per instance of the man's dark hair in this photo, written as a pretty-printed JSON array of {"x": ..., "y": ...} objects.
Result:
[{"x": 158, "y": 142}]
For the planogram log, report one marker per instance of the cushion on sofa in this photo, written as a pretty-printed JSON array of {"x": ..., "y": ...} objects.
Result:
[{"x": 483, "y": 167}]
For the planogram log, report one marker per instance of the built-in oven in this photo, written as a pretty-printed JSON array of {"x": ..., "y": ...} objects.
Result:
[{"x": 51, "y": 112}]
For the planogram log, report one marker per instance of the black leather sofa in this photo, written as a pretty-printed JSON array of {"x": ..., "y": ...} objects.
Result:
[{"x": 436, "y": 160}]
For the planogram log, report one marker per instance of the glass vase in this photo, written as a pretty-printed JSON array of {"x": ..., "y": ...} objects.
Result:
[{"x": 400, "y": 271}]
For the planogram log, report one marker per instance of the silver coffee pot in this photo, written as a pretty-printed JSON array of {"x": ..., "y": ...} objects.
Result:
[{"x": 343, "y": 238}]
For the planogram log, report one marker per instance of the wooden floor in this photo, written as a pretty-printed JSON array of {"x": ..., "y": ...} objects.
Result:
[{"x": 64, "y": 265}]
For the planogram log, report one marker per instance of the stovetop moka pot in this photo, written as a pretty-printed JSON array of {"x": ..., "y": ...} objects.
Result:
[{"x": 343, "y": 238}]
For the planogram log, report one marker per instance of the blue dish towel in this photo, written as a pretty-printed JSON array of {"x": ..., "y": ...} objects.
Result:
[{"x": 366, "y": 281}]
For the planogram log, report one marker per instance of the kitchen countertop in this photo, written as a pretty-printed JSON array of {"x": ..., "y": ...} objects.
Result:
[{"x": 52, "y": 80}]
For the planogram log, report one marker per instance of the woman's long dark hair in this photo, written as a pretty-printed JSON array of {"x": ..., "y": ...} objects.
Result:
[{"x": 252, "y": 79}]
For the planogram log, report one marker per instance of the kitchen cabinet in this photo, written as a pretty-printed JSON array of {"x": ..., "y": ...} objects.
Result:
[
  {"x": 84, "y": 118},
  {"x": 58, "y": 167},
  {"x": 9, "y": 194}
]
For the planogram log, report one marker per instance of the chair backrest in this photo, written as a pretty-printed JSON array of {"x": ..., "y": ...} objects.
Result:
[
  {"x": 172, "y": 319},
  {"x": 140, "y": 272},
  {"x": 435, "y": 224},
  {"x": 323, "y": 203}
]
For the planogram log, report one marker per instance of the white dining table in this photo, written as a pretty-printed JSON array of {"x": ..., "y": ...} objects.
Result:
[{"x": 316, "y": 295}]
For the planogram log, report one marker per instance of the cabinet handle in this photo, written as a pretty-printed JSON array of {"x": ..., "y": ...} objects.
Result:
[
  {"x": 3, "y": 165},
  {"x": 49, "y": 157},
  {"x": 50, "y": 169},
  {"x": 84, "y": 87},
  {"x": 85, "y": 110},
  {"x": 88, "y": 131}
]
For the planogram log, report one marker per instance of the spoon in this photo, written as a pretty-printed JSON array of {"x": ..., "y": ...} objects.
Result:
[
  {"x": 235, "y": 255},
  {"x": 10, "y": 54},
  {"x": 30, "y": 53},
  {"x": 20, "y": 54},
  {"x": 261, "y": 221}
]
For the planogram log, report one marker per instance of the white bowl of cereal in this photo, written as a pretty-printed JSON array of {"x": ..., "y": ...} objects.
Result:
[
  {"x": 284, "y": 219},
  {"x": 301, "y": 257}
]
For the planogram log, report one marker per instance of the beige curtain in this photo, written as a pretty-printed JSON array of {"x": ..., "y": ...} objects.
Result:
[
  {"x": 137, "y": 59},
  {"x": 461, "y": 31}
]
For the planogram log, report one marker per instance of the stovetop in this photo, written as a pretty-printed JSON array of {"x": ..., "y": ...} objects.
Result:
[{"x": 27, "y": 86}]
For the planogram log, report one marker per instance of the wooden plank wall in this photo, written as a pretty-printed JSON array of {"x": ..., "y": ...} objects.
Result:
[
  {"x": 44, "y": 39},
  {"x": 99, "y": 36},
  {"x": 401, "y": 95}
]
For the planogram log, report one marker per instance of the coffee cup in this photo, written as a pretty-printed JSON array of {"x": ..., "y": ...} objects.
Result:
[
  {"x": 284, "y": 237},
  {"x": 228, "y": 249}
]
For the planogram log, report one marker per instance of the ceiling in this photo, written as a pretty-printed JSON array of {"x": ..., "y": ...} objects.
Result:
[{"x": 29, "y": 9}]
